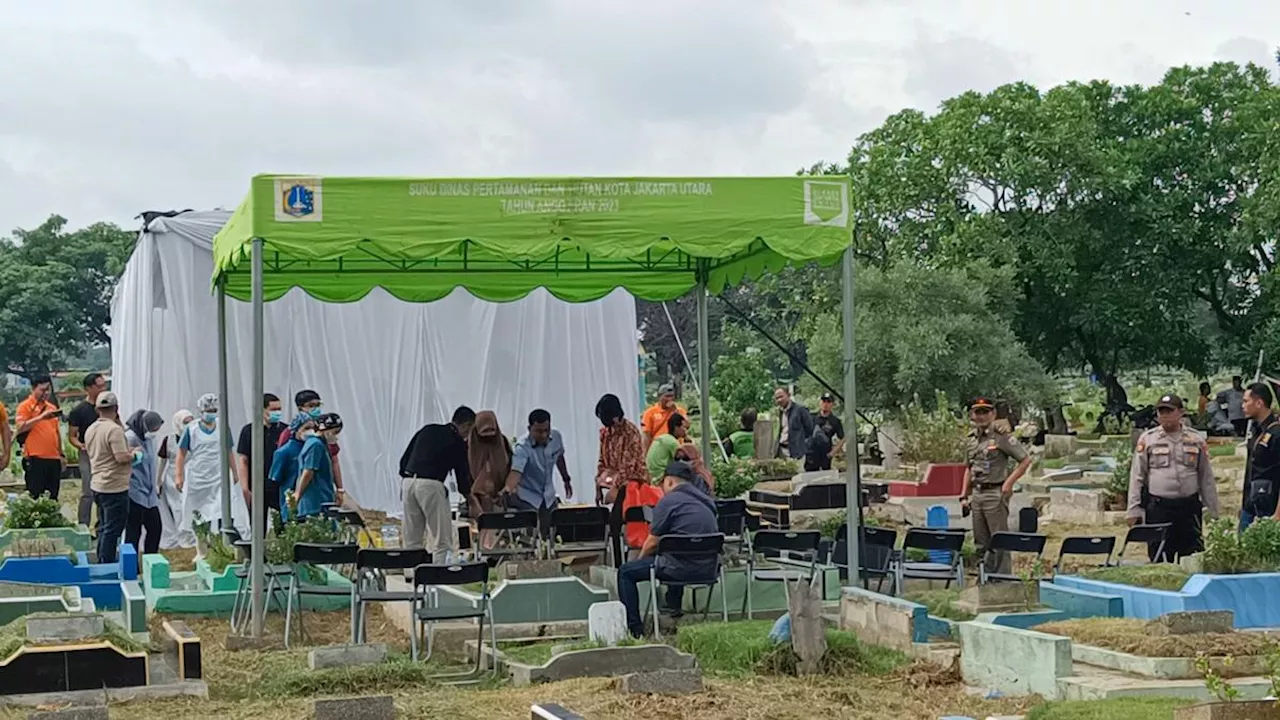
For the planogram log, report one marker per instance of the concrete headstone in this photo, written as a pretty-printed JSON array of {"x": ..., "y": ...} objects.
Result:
[
  {"x": 1192, "y": 622},
  {"x": 662, "y": 682},
  {"x": 374, "y": 707},
  {"x": 607, "y": 622},
  {"x": 96, "y": 712},
  {"x": 346, "y": 655},
  {"x": 65, "y": 627}
]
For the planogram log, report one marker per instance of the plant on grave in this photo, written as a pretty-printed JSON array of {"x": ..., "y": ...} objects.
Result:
[
  {"x": 27, "y": 513},
  {"x": 1118, "y": 483},
  {"x": 1260, "y": 543},
  {"x": 1030, "y": 578},
  {"x": 313, "y": 529},
  {"x": 217, "y": 553},
  {"x": 1223, "y": 553},
  {"x": 779, "y": 467},
  {"x": 734, "y": 476},
  {"x": 1221, "y": 689},
  {"x": 937, "y": 436}
]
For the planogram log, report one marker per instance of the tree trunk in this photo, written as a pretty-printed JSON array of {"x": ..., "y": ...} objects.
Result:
[{"x": 808, "y": 635}]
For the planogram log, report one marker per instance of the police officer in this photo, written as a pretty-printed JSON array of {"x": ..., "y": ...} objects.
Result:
[
  {"x": 1262, "y": 474},
  {"x": 1171, "y": 481},
  {"x": 988, "y": 478}
]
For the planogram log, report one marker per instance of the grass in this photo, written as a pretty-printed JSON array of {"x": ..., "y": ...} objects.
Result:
[
  {"x": 1157, "y": 576},
  {"x": 1220, "y": 451},
  {"x": 941, "y": 603},
  {"x": 742, "y": 648},
  {"x": 1132, "y": 636},
  {"x": 1112, "y": 709},
  {"x": 539, "y": 653},
  {"x": 1053, "y": 463}
]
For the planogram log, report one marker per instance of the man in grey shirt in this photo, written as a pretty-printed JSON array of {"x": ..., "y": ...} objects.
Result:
[{"x": 1233, "y": 400}]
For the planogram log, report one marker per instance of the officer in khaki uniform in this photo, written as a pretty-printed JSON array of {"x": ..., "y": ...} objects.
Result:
[
  {"x": 1171, "y": 481},
  {"x": 988, "y": 482}
]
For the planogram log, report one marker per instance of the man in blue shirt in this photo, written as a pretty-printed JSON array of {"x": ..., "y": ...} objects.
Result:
[
  {"x": 530, "y": 484},
  {"x": 315, "y": 480},
  {"x": 683, "y": 510}
]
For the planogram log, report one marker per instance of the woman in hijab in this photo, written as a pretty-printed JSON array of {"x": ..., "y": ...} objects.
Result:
[
  {"x": 621, "y": 474},
  {"x": 702, "y": 477},
  {"x": 489, "y": 458},
  {"x": 171, "y": 535},
  {"x": 144, "y": 500}
]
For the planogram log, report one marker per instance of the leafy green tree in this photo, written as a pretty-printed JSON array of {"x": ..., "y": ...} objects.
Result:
[
  {"x": 58, "y": 285},
  {"x": 740, "y": 380}
]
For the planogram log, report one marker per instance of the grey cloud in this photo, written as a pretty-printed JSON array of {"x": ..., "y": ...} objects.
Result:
[
  {"x": 1246, "y": 50},
  {"x": 939, "y": 69}
]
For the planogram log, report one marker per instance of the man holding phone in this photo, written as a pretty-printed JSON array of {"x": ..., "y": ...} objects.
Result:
[
  {"x": 38, "y": 423},
  {"x": 78, "y": 421}
]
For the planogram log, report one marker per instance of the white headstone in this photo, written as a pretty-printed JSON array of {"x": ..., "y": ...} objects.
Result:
[{"x": 607, "y": 622}]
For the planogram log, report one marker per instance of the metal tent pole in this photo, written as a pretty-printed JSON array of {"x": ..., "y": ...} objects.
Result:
[
  {"x": 704, "y": 363},
  {"x": 258, "y": 555},
  {"x": 853, "y": 490},
  {"x": 224, "y": 428}
]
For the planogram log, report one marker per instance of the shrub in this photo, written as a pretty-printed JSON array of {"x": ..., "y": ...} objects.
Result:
[
  {"x": 779, "y": 467},
  {"x": 1257, "y": 549},
  {"x": 937, "y": 436},
  {"x": 734, "y": 476},
  {"x": 1118, "y": 484},
  {"x": 27, "y": 513}
]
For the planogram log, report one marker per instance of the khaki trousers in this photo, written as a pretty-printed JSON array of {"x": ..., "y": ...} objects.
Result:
[
  {"x": 428, "y": 521},
  {"x": 990, "y": 515}
]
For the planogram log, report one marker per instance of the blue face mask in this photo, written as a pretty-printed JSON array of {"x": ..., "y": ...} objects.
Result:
[
  {"x": 209, "y": 418},
  {"x": 315, "y": 412},
  {"x": 274, "y": 416}
]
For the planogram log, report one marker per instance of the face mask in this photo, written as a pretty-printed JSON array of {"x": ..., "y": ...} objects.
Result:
[
  {"x": 209, "y": 418},
  {"x": 274, "y": 416},
  {"x": 304, "y": 434},
  {"x": 315, "y": 412},
  {"x": 331, "y": 438}
]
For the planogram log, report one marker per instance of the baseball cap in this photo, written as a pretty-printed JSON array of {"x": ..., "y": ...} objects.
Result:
[
  {"x": 680, "y": 469},
  {"x": 667, "y": 389},
  {"x": 329, "y": 421},
  {"x": 827, "y": 397},
  {"x": 980, "y": 403},
  {"x": 107, "y": 400},
  {"x": 1172, "y": 401}
]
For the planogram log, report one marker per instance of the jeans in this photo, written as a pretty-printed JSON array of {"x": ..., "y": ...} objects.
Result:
[
  {"x": 630, "y": 575},
  {"x": 1246, "y": 519},
  {"x": 84, "y": 512},
  {"x": 143, "y": 518},
  {"x": 113, "y": 515}
]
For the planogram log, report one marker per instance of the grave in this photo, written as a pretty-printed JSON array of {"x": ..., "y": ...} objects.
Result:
[
  {"x": 766, "y": 597},
  {"x": 814, "y": 494},
  {"x": 662, "y": 682},
  {"x": 607, "y": 622},
  {"x": 206, "y": 592},
  {"x": 1082, "y": 507},
  {"x": 567, "y": 663},
  {"x": 940, "y": 480},
  {"x": 1237, "y": 593},
  {"x": 101, "y": 582},
  {"x": 29, "y": 542},
  {"x": 890, "y": 621},
  {"x": 375, "y": 707}
]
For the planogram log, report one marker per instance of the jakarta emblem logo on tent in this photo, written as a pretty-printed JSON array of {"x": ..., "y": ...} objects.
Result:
[
  {"x": 826, "y": 203},
  {"x": 299, "y": 200}
]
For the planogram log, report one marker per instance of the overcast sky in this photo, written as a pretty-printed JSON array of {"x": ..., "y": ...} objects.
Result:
[{"x": 113, "y": 107}]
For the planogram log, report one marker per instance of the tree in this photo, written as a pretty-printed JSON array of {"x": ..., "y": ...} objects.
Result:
[
  {"x": 58, "y": 285},
  {"x": 1119, "y": 211},
  {"x": 659, "y": 339}
]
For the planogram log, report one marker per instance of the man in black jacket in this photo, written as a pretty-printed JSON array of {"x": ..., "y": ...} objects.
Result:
[
  {"x": 1262, "y": 473},
  {"x": 795, "y": 425},
  {"x": 434, "y": 452}
]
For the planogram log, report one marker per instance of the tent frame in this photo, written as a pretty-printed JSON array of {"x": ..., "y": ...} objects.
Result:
[{"x": 701, "y": 267}]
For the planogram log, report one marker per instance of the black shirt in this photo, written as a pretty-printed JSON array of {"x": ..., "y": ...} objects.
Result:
[
  {"x": 830, "y": 425},
  {"x": 81, "y": 417},
  {"x": 1262, "y": 474},
  {"x": 270, "y": 439},
  {"x": 433, "y": 452}
]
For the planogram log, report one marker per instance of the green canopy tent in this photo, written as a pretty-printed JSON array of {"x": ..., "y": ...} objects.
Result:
[{"x": 337, "y": 238}]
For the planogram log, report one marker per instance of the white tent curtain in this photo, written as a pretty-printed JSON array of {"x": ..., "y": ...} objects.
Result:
[{"x": 386, "y": 366}]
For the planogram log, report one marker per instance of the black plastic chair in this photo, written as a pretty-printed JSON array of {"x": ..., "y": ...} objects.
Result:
[
  {"x": 1009, "y": 542},
  {"x": 875, "y": 554},
  {"x": 427, "y": 613},
  {"x": 635, "y": 513},
  {"x": 690, "y": 547},
  {"x": 1151, "y": 535},
  {"x": 515, "y": 526},
  {"x": 242, "y": 607},
  {"x": 1094, "y": 545},
  {"x": 731, "y": 518},
  {"x": 940, "y": 539},
  {"x": 372, "y": 565},
  {"x": 580, "y": 529},
  {"x": 351, "y": 523},
  {"x": 803, "y": 544},
  {"x": 323, "y": 555}
]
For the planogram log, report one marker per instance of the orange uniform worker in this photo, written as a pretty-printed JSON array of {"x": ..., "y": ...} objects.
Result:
[{"x": 654, "y": 420}]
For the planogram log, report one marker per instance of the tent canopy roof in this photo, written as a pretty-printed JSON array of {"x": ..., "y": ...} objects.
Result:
[{"x": 339, "y": 237}]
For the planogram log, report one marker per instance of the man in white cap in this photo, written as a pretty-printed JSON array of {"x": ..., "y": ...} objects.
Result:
[{"x": 111, "y": 460}]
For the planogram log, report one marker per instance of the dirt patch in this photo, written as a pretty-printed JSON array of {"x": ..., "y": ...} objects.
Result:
[{"x": 1131, "y": 636}]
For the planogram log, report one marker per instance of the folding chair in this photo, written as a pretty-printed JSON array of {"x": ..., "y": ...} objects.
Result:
[
  {"x": 785, "y": 543},
  {"x": 1155, "y": 534},
  {"x": 427, "y": 612},
  {"x": 950, "y": 541},
  {"x": 371, "y": 567},
  {"x": 1010, "y": 542},
  {"x": 635, "y": 513},
  {"x": 318, "y": 554},
  {"x": 514, "y": 526},
  {"x": 242, "y": 607},
  {"x": 731, "y": 517},
  {"x": 875, "y": 554},
  {"x": 689, "y": 547},
  {"x": 351, "y": 524},
  {"x": 1086, "y": 545},
  {"x": 580, "y": 529}
]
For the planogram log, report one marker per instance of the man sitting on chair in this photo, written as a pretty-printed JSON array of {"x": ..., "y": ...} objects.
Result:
[{"x": 683, "y": 510}]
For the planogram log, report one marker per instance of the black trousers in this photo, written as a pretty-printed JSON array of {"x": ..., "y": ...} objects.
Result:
[
  {"x": 1184, "y": 536},
  {"x": 143, "y": 518},
  {"x": 1241, "y": 427},
  {"x": 43, "y": 476}
]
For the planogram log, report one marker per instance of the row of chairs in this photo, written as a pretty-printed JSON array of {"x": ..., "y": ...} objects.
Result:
[{"x": 882, "y": 560}]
